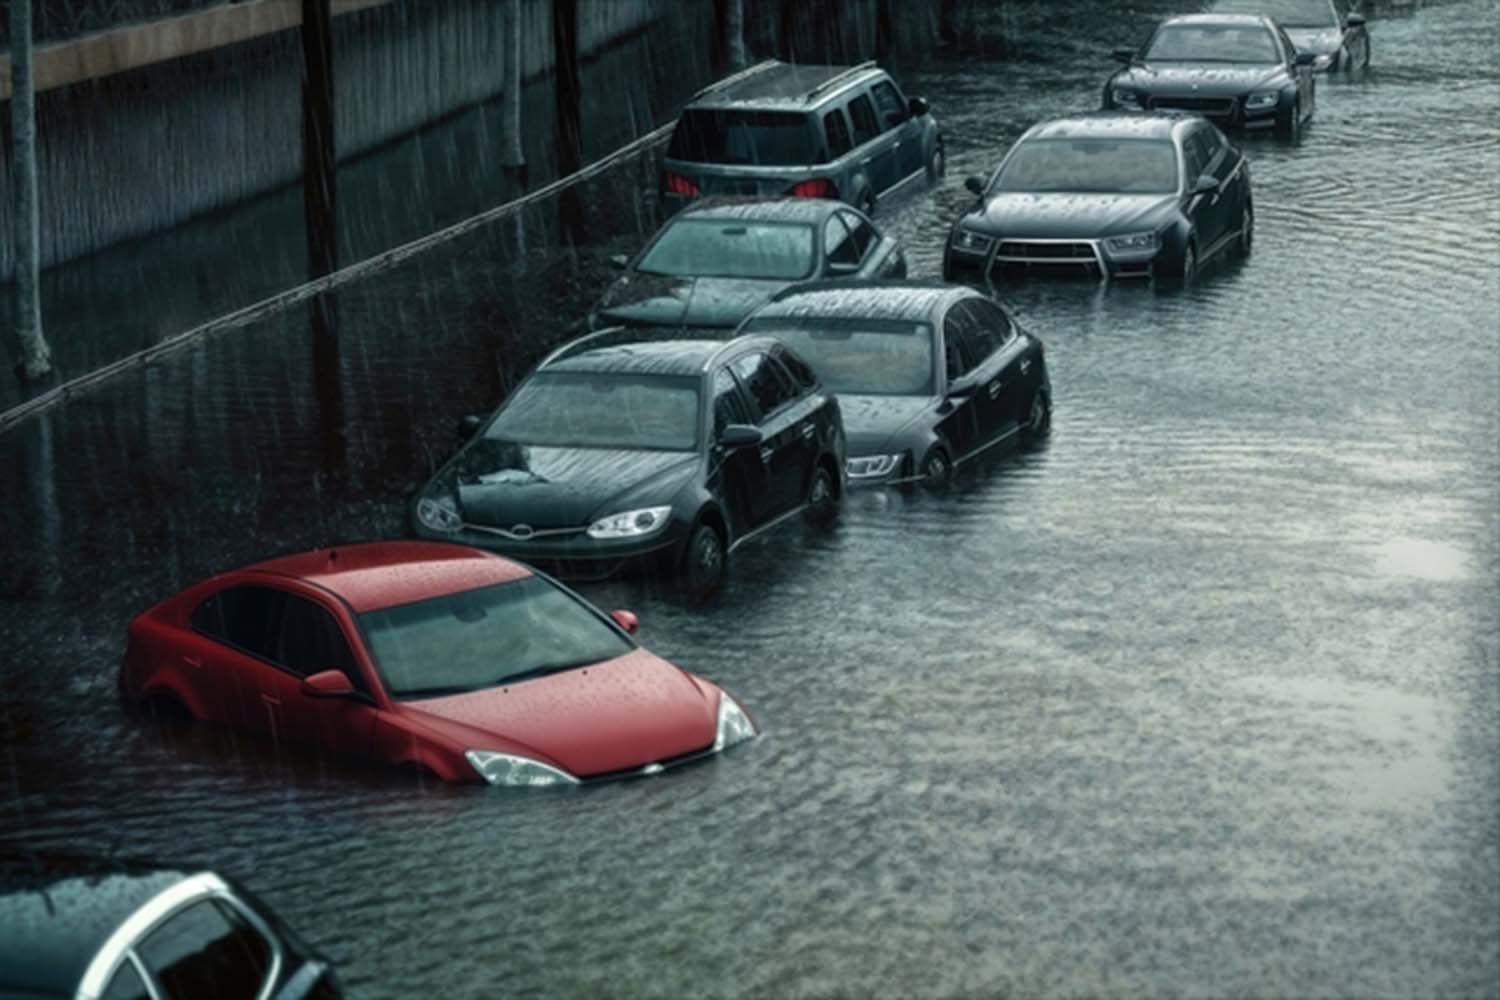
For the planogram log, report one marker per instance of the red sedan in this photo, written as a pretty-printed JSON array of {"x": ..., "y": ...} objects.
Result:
[{"x": 429, "y": 655}]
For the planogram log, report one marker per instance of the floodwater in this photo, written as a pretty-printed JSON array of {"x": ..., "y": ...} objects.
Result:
[{"x": 1201, "y": 698}]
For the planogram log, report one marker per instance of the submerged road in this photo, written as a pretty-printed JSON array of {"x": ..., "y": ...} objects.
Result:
[{"x": 1202, "y": 698}]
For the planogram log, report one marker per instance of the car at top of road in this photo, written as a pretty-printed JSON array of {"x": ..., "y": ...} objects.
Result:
[
  {"x": 1332, "y": 30},
  {"x": 1118, "y": 194},
  {"x": 86, "y": 928},
  {"x": 929, "y": 375},
  {"x": 640, "y": 448},
  {"x": 436, "y": 657},
  {"x": 844, "y": 132},
  {"x": 1239, "y": 70},
  {"x": 712, "y": 263}
]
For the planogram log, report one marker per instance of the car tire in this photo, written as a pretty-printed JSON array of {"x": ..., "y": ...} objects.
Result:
[
  {"x": 1246, "y": 242},
  {"x": 1039, "y": 419},
  {"x": 705, "y": 562},
  {"x": 1290, "y": 127},
  {"x": 936, "y": 469},
  {"x": 1183, "y": 274},
  {"x": 937, "y": 164},
  {"x": 822, "y": 505}
]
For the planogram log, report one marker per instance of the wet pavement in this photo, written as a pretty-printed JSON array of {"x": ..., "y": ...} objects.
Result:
[{"x": 1201, "y": 698}]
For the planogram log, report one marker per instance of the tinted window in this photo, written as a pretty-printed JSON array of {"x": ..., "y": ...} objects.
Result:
[
  {"x": 601, "y": 410},
  {"x": 312, "y": 641},
  {"x": 1103, "y": 166},
  {"x": 958, "y": 342},
  {"x": 207, "y": 950},
  {"x": 729, "y": 406},
  {"x": 769, "y": 387},
  {"x": 768, "y": 138},
  {"x": 246, "y": 617},
  {"x": 837, "y": 130},
  {"x": 863, "y": 116},
  {"x": 888, "y": 103},
  {"x": 720, "y": 248},
  {"x": 977, "y": 334},
  {"x": 1193, "y": 159},
  {"x": 865, "y": 235},
  {"x": 1213, "y": 43},
  {"x": 999, "y": 329},
  {"x": 838, "y": 242},
  {"x": 859, "y": 356},
  {"x": 126, "y": 985},
  {"x": 796, "y": 368}
]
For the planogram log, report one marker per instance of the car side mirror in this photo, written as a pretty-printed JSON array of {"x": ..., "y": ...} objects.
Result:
[
  {"x": 1305, "y": 58},
  {"x": 1355, "y": 21},
  {"x": 626, "y": 620},
  {"x": 975, "y": 183},
  {"x": 1206, "y": 184},
  {"x": 619, "y": 261},
  {"x": 917, "y": 106},
  {"x": 739, "y": 435},
  {"x": 1126, "y": 56},
  {"x": 327, "y": 684},
  {"x": 468, "y": 425}
]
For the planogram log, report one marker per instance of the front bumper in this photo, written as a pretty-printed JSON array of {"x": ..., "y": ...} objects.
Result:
[
  {"x": 574, "y": 555},
  {"x": 1225, "y": 112},
  {"x": 1014, "y": 256}
]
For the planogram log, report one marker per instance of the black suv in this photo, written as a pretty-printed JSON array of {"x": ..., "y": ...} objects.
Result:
[{"x": 643, "y": 447}]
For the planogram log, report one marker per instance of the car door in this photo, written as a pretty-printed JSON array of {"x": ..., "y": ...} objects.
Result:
[
  {"x": 1217, "y": 205},
  {"x": 1017, "y": 373},
  {"x": 981, "y": 345},
  {"x": 897, "y": 121},
  {"x": 310, "y": 639},
  {"x": 208, "y": 948},
  {"x": 875, "y": 152},
  {"x": 958, "y": 423},
  {"x": 1226, "y": 163},
  {"x": 783, "y": 427},
  {"x": 737, "y": 474},
  {"x": 240, "y": 624},
  {"x": 1302, "y": 74},
  {"x": 880, "y": 256},
  {"x": 1199, "y": 208}
]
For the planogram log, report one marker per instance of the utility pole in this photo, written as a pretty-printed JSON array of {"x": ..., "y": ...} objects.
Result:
[
  {"x": 512, "y": 150},
  {"x": 568, "y": 96},
  {"x": 319, "y": 187},
  {"x": 734, "y": 34},
  {"x": 36, "y": 359}
]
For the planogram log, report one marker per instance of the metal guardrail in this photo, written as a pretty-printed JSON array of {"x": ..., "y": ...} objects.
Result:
[{"x": 365, "y": 268}]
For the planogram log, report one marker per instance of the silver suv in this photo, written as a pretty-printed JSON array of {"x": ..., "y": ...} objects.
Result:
[{"x": 843, "y": 132}]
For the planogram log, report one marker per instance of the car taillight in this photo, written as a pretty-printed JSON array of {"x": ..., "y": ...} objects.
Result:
[
  {"x": 818, "y": 187},
  {"x": 677, "y": 184}
]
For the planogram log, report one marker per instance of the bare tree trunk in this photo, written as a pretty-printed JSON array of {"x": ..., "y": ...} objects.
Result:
[
  {"x": 36, "y": 359},
  {"x": 734, "y": 34},
  {"x": 512, "y": 153},
  {"x": 319, "y": 189},
  {"x": 568, "y": 97}
]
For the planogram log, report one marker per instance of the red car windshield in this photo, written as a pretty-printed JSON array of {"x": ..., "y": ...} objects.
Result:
[{"x": 478, "y": 639}]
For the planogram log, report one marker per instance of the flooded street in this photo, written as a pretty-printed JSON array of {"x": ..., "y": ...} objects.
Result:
[{"x": 1201, "y": 698}]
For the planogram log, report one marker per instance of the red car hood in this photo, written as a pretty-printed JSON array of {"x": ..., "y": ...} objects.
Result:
[{"x": 616, "y": 715}]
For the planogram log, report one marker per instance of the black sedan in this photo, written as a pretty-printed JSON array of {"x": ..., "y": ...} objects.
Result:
[
  {"x": 74, "y": 927},
  {"x": 928, "y": 375},
  {"x": 1336, "y": 35},
  {"x": 719, "y": 258},
  {"x": 636, "y": 447},
  {"x": 1237, "y": 69},
  {"x": 1122, "y": 195}
]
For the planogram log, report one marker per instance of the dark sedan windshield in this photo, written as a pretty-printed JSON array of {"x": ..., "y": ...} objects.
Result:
[
  {"x": 602, "y": 410},
  {"x": 1217, "y": 43},
  {"x": 482, "y": 638},
  {"x": 720, "y": 248},
  {"x": 859, "y": 356},
  {"x": 762, "y": 138},
  {"x": 1287, "y": 13},
  {"x": 1113, "y": 166}
]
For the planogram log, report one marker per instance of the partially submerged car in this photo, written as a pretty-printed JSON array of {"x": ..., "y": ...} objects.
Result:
[
  {"x": 1111, "y": 194},
  {"x": 1239, "y": 70},
  {"x": 1336, "y": 34},
  {"x": 644, "y": 449},
  {"x": 844, "y": 132},
  {"x": 929, "y": 375},
  {"x": 87, "y": 928},
  {"x": 719, "y": 258},
  {"x": 439, "y": 658}
]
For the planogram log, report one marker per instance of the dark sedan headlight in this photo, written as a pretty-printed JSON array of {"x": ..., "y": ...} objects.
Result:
[
  {"x": 439, "y": 512},
  {"x": 1263, "y": 100},
  {"x": 872, "y": 466},
  {"x": 1123, "y": 98},
  {"x": 631, "y": 523},
  {"x": 1133, "y": 243},
  {"x": 968, "y": 241}
]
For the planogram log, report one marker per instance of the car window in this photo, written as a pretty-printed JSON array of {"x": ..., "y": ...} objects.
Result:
[
  {"x": 245, "y": 616},
  {"x": 836, "y": 128},
  {"x": 958, "y": 342},
  {"x": 1192, "y": 156},
  {"x": 126, "y": 985},
  {"x": 889, "y": 104},
  {"x": 838, "y": 242},
  {"x": 865, "y": 235},
  {"x": 207, "y": 950},
  {"x": 311, "y": 640},
  {"x": 729, "y": 404},
  {"x": 998, "y": 327},
  {"x": 977, "y": 334},
  {"x": 796, "y": 368},
  {"x": 769, "y": 388},
  {"x": 862, "y": 114},
  {"x": 1215, "y": 43},
  {"x": 1135, "y": 166},
  {"x": 731, "y": 248},
  {"x": 766, "y": 138}
]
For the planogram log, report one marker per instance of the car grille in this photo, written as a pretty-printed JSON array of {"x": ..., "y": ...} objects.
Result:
[
  {"x": 1222, "y": 107},
  {"x": 1019, "y": 251},
  {"x": 661, "y": 765}
]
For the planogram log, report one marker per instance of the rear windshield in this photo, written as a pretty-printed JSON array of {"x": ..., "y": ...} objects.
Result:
[
  {"x": 874, "y": 357},
  {"x": 1091, "y": 166},
  {"x": 759, "y": 138},
  {"x": 1215, "y": 43},
  {"x": 722, "y": 248}
]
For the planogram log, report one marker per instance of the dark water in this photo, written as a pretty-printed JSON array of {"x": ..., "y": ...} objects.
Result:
[{"x": 1204, "y": 698}]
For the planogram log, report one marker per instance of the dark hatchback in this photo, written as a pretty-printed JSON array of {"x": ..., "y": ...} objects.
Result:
[
  {"x": 929, "y": 375},
  {"x": 717, "y": 259},
  {"x": 1109, "y": 194},
  {"x": 644, "y": 448},
  {"x": 81, "y": 928},
  {"x": 1239, "y": 70}
]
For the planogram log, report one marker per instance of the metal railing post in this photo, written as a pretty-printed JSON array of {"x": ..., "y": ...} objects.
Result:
[{"x": 36, "y": 358}]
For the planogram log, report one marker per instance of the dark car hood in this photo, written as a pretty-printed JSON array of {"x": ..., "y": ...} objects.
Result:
[
  {"x": 1321, "y": 41},
  {"x": 1070, "y": 216},
  {"x": 617, "y": 715},
  {"x": 872, "y": 421},
  {"x": 1210, "y": 79},
  {"x": 501, "y": 483},
  {"x": 661, "y": 300}
]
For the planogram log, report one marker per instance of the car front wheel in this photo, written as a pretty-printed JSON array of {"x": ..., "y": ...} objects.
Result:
[
  {"x": 822, "y": 498},
  {"x": 1246, "y": 242},
  {"x": 1039, "y": 421},
  {"x": 937, "y": 164},
  {"x": 937, "y": 469},
  {"x": 705, "y": 562},
  {"x": 1290, "y": 125}
]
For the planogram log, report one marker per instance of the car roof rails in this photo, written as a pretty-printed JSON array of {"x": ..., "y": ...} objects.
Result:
[
  {"x": 734, "y": 78},
  {"x": 838, "y": 78}
]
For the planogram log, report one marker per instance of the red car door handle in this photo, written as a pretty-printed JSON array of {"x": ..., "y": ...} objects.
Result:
[
  {"x": 193, "y": 661},
  {"x": 270, "y": 700}
]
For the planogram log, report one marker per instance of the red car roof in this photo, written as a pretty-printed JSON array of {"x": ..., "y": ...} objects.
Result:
[{"x": 376, "y": 575}]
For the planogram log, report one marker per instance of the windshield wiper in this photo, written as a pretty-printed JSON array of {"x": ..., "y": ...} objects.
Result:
[
  {"x": 433, "y": 692},
  {"x": 542, "y": 671}
]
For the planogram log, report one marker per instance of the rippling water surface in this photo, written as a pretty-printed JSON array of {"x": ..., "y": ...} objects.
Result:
[{"x": 1203, "y": 697}]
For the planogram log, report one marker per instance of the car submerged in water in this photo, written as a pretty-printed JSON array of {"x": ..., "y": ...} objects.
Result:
[
  {"x": 646, "y": 449},
  {"x": 1237, "y": 70},
  {"x": 439, "y": 658},
  {"x": 1146, "y": 195},
  {"x": 719, "y": 258},
  {"x": 1336, "y": 34}
]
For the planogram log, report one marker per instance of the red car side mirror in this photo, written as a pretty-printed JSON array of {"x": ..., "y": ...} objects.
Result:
[
  {"x": 626, "y": 620},
  {"x": 327, "y": 684}
]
